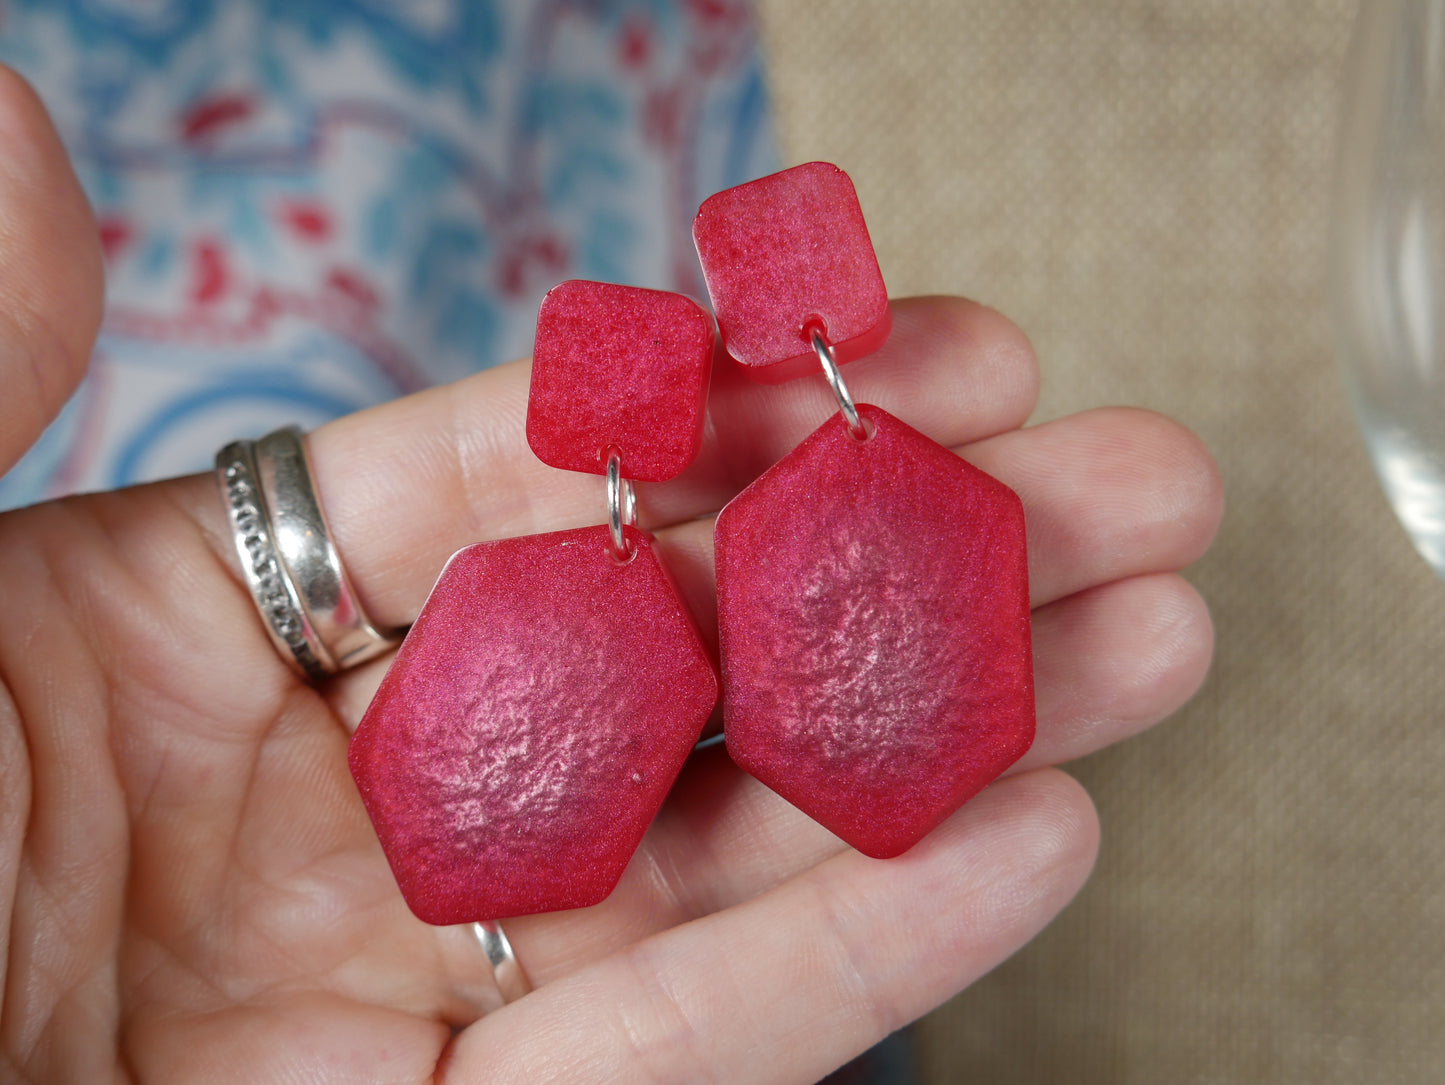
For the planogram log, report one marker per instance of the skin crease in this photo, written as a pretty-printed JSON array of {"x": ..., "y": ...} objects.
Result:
[{"x": 190, "y": 890}]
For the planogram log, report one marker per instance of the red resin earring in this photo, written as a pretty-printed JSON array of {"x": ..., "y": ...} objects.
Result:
[
  {"x": 873, "y": 604},
  {"x": 549, "y": 691}
]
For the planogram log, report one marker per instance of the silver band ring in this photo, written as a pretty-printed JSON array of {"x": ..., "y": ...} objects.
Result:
[
  {"x": 307, "y": 604},
  {"x": 829, "y": 361},
  {"x": 506, "y": 970}
]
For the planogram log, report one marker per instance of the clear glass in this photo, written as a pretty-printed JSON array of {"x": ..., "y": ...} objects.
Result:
[{"x": 1389, "y": 256}]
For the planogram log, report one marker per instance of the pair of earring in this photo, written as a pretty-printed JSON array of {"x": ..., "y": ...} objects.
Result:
[{"x": 873, "y": 613}]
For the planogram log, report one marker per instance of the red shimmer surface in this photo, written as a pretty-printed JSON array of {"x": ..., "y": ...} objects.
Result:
[
  {"x": 618, "y": 365},
  {"x": 782, "y": 252},
  {"x": 531, "y": 725},
  {"x": 873, "y": 614}
]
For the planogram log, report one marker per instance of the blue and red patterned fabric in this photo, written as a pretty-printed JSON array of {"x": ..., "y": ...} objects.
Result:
[{"x": 310, "y": 206}]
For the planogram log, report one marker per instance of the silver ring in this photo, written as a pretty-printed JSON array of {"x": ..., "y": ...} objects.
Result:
[
  {"x": 307, "y": 604},
  {"x": 824, "y": 350},
  {"x": 621, "y": 506},
  {"x": 506, "y": 969}
]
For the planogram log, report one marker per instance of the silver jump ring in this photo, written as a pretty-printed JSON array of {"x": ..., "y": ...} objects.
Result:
[
  {"x": 506, "y": 969},
  {"x": 307, "y": 604},
  {"x": 829, "y": 360},
  {"x": 621, "y": 506}
]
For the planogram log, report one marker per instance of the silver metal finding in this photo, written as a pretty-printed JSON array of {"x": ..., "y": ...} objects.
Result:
[
  {"x": 824, "y": 350},
  {"x": 307, "y": 604},
  {"x": 621, "y": 506},
  {"x": 506, "y": 969}
]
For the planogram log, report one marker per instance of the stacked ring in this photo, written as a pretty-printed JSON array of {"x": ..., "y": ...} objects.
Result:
[{"x": 290, "y": 564}]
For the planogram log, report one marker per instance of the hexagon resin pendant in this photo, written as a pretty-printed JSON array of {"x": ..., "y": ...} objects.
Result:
[
  {"x": 873, "y": 619},
  {"x": 531, "y": 725}
]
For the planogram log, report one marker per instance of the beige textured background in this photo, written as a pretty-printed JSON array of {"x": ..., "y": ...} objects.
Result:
[{"x": 1144, "y": 186}]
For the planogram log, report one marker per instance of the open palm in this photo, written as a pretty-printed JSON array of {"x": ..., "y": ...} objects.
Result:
[{"x": 190, "y": 890}]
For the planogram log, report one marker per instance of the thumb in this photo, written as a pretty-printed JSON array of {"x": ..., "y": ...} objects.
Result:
[{"x": 51, "y": 282}]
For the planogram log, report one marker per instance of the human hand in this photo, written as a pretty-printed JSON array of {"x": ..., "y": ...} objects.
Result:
[{"x": 190, "y": 890}]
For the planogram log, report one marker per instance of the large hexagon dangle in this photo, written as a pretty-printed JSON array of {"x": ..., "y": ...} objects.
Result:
[
  {"x": 873, "y": 617},
  {"x": 531, "y": 725}
]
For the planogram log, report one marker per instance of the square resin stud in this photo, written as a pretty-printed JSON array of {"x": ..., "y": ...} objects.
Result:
[
  {"x": 623, "y": 367},
  {"x": 787, "y": 253}
]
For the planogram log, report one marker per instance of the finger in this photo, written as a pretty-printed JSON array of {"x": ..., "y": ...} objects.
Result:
[
  {"x": 952, "y": 369},
  {"x": 1109, "y": 662},
  {"x": 1114, "y": 661},
  {"x": 842, "y": 955},
  {"x": 50, "y": 271},
  {"x": 408, "y": 483},
  {"x": 1107, "y": 494}
]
